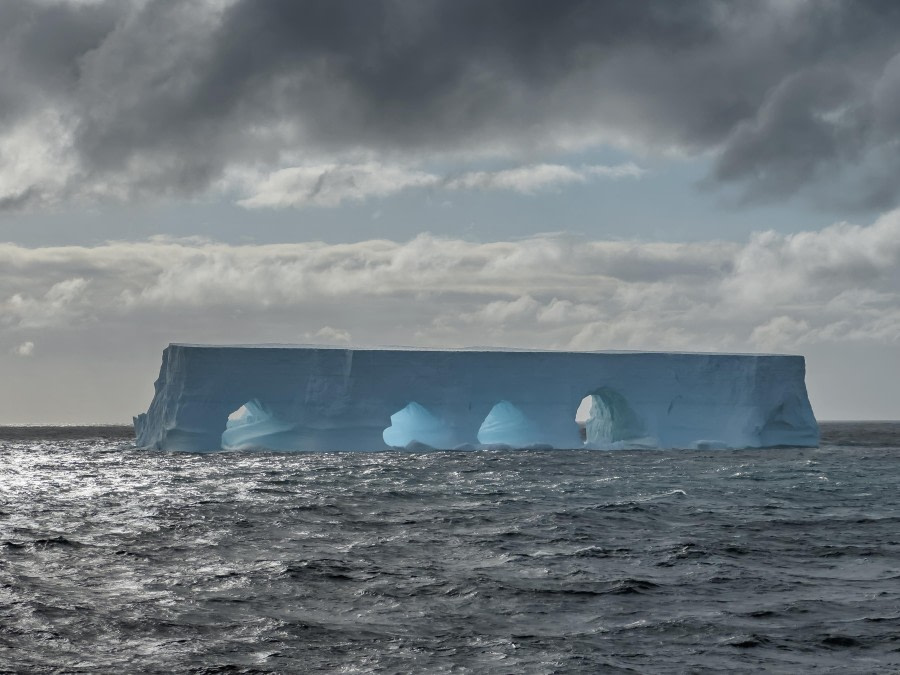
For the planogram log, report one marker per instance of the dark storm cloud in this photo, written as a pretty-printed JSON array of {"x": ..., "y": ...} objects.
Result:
[{"x": 163, "y": 96}]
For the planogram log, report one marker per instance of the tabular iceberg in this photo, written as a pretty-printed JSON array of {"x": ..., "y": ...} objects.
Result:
[{"x": 325, "y": 398}]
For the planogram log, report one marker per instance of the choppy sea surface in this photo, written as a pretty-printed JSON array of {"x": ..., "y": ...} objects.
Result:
[{"x": 114, "y": 559}]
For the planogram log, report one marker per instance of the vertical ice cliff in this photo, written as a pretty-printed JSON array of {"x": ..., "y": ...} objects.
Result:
[{"x": 322, "y": 398}]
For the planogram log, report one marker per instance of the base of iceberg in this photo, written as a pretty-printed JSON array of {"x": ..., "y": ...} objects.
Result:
[{"x": 325, "y": 398}]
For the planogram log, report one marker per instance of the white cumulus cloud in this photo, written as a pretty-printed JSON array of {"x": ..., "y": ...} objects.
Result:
[
  {"x": 63, "y": 301},
  {"x": 25, "y": 349},
  {"x": 329, "y": 335},
  {"x": 841, "y": 283}
]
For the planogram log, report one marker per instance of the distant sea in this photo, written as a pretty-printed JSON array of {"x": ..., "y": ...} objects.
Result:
[{"x": 119, "y": 560}]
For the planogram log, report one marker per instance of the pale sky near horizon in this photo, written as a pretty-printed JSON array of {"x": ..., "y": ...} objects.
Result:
[{"x": 710, "y": 175}]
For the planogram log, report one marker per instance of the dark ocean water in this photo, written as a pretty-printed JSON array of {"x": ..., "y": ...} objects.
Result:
[{"x": 120, "y": 560}]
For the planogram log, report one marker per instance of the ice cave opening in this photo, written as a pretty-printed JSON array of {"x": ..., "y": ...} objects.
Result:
[
  {"x": 252, "y": 412},
  {"x": 605, "y": 418},
  {"x": 417, "y": 424},
  {"x": 252, "y": 425},
  {"x": 505, "y": 424}
]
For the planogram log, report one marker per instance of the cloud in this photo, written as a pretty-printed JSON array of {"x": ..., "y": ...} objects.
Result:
[
  {"x": 538, "y": 177},
  {"x": 833, "y": 262},
  {"x": 62, "y": 302},
  {"x": 333, "y": 184},
  {"x": 329, "y": 185},
  {"x": 166, "y": 98},
  {"x": 25, "y": 349},
  {"x": 329, "y": 335},
  {"x": 779, "y": 331},
  {"x": 104, "y": 312},
  {"x": 779, "y": 292}
]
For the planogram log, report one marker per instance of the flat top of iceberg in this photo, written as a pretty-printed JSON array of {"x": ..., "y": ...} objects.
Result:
[{"x": 367, "y": 348}]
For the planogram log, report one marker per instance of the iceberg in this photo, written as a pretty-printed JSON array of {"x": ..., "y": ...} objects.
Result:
[{"x": 297, "y": 397}]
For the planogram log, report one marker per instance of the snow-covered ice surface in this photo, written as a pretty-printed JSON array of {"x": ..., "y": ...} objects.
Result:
[{"x": 283, "y": 397}]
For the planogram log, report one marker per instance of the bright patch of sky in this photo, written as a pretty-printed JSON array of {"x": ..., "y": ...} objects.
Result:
[{"x": 665, "y": 201}]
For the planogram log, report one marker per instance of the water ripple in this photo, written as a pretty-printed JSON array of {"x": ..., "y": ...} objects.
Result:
[{"x": 119, "y": 560}]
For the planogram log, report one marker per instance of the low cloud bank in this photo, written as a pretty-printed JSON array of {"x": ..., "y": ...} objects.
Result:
[
  {"x": 100, "y": 315},
  {"x": 777, "y": 292}
]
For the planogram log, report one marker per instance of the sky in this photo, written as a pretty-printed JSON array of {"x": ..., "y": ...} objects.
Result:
[{"x": 712, "y": 175}]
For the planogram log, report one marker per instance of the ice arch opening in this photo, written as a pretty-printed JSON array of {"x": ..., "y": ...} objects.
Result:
[
  {"x": 582, "y": 415},
  {"x": 251, "y": 426},
  {"x": 607, "y": 418},
  {"x": 505, "y": 424},
  {"x": 417, "y": 424}
]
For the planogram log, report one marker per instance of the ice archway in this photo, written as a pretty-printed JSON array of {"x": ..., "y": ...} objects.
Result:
[
  {"x": 610, "y": 419},
  {"x": 253, "y": 425},
  {"x": 416, "y": 424},
  {"x": 507, "y": 425}
]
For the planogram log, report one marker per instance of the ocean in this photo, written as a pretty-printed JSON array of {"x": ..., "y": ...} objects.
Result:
[{"x": 119, "y": 560}]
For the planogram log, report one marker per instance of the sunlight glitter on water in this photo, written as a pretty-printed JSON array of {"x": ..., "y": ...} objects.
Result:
[{"x": 114, "y": 559}]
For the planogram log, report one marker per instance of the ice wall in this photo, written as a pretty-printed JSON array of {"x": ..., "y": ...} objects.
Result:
[{"x": 323, "y": 398}]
